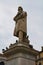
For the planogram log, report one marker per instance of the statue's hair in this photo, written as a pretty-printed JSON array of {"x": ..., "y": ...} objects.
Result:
[{"x": 20, "y": 8}]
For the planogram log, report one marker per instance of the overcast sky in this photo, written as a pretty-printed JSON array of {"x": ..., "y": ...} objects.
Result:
[{"x": 34, "y": 9}]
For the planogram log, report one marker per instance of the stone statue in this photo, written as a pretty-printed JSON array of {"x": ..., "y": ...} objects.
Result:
[{"x": 20, "y": 19}]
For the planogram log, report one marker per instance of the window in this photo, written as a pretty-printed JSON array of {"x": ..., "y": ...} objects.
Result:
[
  {"x": 1, "y": 63},
  {"x": 39, "y": 63}
]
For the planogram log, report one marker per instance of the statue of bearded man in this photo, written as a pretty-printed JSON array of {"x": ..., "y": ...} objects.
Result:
[{"x": 20, "y": 24}]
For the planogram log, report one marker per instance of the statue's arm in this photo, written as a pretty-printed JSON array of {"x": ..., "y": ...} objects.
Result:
[
  {"x": 16, "y": 17},
  {"x": 22, "y": 15},
  {"x": 19, "y": 16}
]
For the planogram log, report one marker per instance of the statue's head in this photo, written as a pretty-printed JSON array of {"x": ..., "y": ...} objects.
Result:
[{"x": 20, "y": 9}]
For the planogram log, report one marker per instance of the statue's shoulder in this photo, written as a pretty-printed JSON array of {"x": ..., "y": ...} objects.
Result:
[{"x": 24, "y": 13}]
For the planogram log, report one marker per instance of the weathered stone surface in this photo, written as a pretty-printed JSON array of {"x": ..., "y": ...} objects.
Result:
[
  {"x": 20, "y": 19},
  {"x": 21, "y": 59}
]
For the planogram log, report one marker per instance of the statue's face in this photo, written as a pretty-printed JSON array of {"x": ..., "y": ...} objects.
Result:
[{"x": 20, "y": 10}]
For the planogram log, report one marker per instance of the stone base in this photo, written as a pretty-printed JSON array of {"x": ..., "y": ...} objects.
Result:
[
  {"x": 21, "y": 59},
  {"x": 20, "y": 53}
]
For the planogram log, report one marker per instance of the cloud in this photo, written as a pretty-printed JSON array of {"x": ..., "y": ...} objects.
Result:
[{"x": 6, "y": 25}]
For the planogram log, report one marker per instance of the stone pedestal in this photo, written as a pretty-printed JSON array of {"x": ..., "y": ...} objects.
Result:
[{"x": 20, "y": 54}]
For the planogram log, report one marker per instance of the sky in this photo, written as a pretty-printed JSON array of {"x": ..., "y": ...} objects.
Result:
[{"x": 34, "y": 9}]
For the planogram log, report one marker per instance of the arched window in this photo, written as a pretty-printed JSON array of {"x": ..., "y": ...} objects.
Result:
[{"x": 1, "y": 63}]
